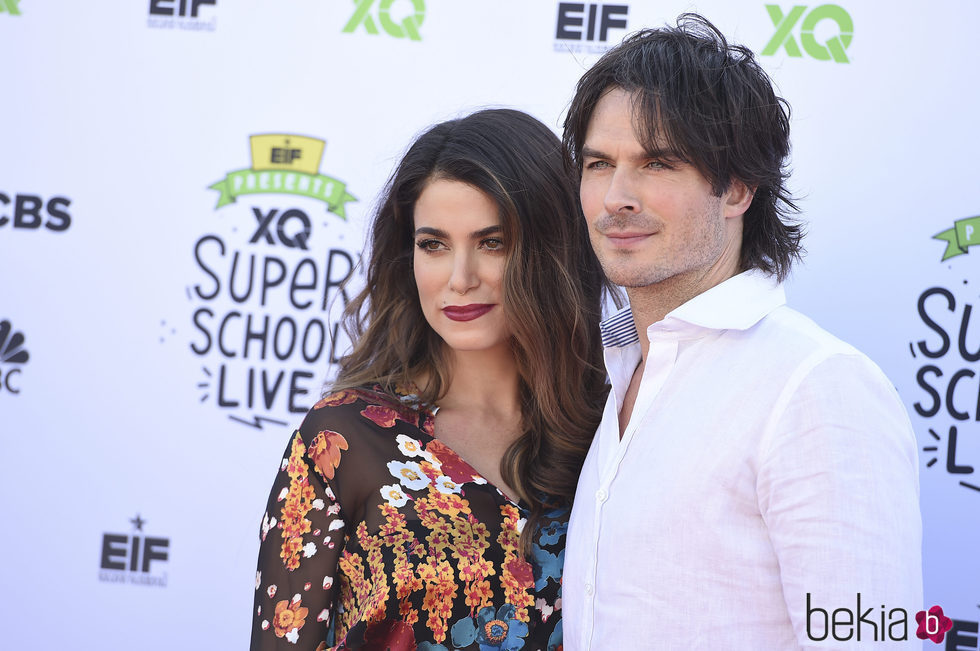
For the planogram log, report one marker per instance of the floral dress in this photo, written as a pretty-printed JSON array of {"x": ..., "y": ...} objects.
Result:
[{"x": 378, "y": 536}]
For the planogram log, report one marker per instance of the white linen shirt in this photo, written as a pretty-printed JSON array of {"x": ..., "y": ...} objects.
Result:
[{"x": 764, "y": 460}]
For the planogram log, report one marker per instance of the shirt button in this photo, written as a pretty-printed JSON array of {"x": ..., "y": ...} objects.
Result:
[
  {"x": 601, "y": 495},
  {"x": 589, "y": 589}
]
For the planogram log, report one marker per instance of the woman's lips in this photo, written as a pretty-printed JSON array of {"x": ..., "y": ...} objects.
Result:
[{"x": 467, "y": 312}]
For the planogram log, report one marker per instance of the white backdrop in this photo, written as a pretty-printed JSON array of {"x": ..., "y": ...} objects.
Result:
[{"x": 159, "y": 336}]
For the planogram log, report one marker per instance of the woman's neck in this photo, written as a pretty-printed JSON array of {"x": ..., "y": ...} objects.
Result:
[{"x": 483, "y": 381}]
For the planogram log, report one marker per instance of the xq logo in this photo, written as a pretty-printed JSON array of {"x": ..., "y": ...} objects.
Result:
[
  {"x": 834, "y": 48},
  {"x": 407, "y": 27},
  {"x": 10, "y": 6}
]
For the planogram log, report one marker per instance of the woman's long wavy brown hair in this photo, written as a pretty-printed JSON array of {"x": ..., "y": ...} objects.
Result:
[{"x": 553, "y": 288}]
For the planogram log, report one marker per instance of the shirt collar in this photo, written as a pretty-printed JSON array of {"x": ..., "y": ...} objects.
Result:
[{"x": 735, "y": 304}]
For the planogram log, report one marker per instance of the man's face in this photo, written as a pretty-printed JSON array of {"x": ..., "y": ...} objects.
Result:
[{"x": 652, "y": 217}]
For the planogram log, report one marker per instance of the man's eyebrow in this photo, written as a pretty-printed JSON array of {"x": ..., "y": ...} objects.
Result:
[
  {"x": 663, "y": 154},
  {"x": 655, "y": 153}
]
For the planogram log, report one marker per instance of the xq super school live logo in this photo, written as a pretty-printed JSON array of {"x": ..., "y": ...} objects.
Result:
[
  {"x": 265, "y": 318},
  {"x": 825, "y": 32},
  {"x": 397, "y": 18},
  {"x": 947, "y": 353}
]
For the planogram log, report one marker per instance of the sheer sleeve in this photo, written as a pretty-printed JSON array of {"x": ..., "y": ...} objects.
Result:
[{"x": 302, "y": 536}]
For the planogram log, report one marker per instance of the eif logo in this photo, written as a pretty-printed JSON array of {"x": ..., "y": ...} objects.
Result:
[
  {"x": 182, "y": 14},
  {"x": 12, "y": 356},
  {"x": 580, "y": 22},
  {"x": 584, "y": 28},
  {"x": 134, "y": 558},
  {"x": 833, "y": 48},
  {"x": 10, "y": 7},
  {"x": 398, "y": 18}
]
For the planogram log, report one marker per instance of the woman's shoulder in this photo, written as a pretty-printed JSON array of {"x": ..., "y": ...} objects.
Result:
[{"x": 363, "y": 416}]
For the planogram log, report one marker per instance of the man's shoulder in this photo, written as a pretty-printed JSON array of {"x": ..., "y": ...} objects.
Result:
[{"x": 785, "y": 328}]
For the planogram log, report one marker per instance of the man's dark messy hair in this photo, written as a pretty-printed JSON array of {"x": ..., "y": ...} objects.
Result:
[{"x": 713, "y": 105}]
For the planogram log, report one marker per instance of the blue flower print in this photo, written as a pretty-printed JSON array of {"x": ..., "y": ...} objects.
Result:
[
  {"x": 552, "y": 533},
  {"x": 429, "y": 646},
  {"x": 493, "y": 631},
  {"x": 546, "y": 565},
  {"x": 554, "y": 642}
]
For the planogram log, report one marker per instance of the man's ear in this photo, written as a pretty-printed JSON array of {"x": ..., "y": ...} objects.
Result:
[{"x": 737, "y": 198}]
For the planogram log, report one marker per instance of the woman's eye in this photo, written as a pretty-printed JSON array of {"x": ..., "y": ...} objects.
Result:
[
  {"x": 493, "y": 244},
  {"x": 428, "y": 245}
]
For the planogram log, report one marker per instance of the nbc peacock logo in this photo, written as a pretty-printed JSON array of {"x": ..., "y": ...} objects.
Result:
[{"x": 13, "y": 356}]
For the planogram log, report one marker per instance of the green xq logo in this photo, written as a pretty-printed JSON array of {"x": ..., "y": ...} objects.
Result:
[
  {"x": 835, "y": 48},
  {"x": 10, "y": 6},
  {"x": 408, "y": 27}
]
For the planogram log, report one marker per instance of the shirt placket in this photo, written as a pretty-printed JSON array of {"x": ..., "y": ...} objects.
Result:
[{"x": 660, "y": 361}]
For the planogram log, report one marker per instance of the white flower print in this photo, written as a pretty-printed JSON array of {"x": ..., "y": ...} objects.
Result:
[
  {"x": 412, "y": 448},
  {"x": 293, "y": 635},
  {"x": 394, "y": 495},
  {"x": 446, "y": 485},
  {"x": 409, "y": 474},
  {"x": 309, "y": 550}
]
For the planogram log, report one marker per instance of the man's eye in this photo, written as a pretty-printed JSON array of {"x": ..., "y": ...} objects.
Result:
[{"x": 597, "y": 165}]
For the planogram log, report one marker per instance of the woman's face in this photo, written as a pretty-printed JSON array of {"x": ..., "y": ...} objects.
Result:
[{"x": 459, "y": 264}]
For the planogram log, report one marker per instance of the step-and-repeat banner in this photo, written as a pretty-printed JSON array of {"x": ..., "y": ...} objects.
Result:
[{"x": 184, "y": 188}]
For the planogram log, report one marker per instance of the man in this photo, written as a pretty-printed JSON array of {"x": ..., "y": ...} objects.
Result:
[{"x": 752, "y": 475}]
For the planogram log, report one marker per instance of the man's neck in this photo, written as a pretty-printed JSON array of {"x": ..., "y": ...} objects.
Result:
[{"x": 652, "y": 303}]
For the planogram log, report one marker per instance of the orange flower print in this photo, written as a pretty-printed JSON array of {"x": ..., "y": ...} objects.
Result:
[
  {"x": 289, "y": 618},
  {"x": 298, "y": 502},
  {"x": 325, "y": 451},
  {"x": 343, "y": 397},
  {"x": 381, "y": 415}
]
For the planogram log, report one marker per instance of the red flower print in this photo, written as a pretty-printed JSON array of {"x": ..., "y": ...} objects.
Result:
[
  {"x": 933, "y": 625},
  {"x": 381, "y": 415},
  {"x": 452, "y": 465},
  {"x": 522, "y": 571},
  {"x": 325, "y": 451},
  {"x": 389, "y": 634}
]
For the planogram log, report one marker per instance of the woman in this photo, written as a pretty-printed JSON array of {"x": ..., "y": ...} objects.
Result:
[{"x": 423, "y": 504}]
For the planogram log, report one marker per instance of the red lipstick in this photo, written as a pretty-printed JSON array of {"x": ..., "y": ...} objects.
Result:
[{"x": 467, "y": 312}]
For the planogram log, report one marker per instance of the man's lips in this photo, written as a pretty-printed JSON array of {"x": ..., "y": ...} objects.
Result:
[
  {"x": 467, "y": 312},
  {"x": 626, "y": 238}
]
